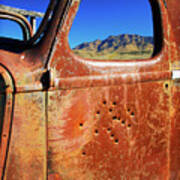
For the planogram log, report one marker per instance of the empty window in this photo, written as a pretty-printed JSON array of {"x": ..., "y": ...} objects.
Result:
[
  {"x": 32, "y": 11},
  {"x": 11, "y": 29},
  {"x": 118, "y": 29}
]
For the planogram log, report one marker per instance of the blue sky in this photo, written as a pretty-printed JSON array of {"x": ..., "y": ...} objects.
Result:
[
  {"x": 37, "y": 5},
  {"x": 11, "y": 28},
  {"x": 97, "y": 19}
]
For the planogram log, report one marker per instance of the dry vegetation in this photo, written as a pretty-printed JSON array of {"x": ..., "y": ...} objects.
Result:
[{"x": 117, "y": 47}]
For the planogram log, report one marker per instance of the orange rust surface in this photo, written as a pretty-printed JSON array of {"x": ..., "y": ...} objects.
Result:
[
  {"x": 99, "y": 120},
  {"x": 54, "y": 177},
  {"x": 110, "y": 132},
  {"x": 27, "y": 150},
  {"x": 7, "y": 107}
]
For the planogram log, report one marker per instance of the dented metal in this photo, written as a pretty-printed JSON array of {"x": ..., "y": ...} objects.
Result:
[{"x": 69, "y": 118}]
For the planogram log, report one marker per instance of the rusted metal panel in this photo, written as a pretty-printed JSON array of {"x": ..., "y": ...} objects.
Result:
[
  {"x": 28, "y": 66},
  {"x": 26, "y": 75},
  {"x": 113, "y": 118},
  {"x": 6, "y": 102},
  {"x": 109, "y": 80},
  {"x": 174, "y": 18},
  {"x": 174, "y": 26},
  {"x": 27, "y": 150},
  {"x": 65, "y": 64},
  {"x": 101, "y": 119},
  {"x": 27, "y": 154},
  {"x": 116, "y": 132},
  {"x": 175, "y": 132}
]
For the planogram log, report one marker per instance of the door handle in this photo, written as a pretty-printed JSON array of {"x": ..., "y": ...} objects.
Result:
[{"x": 176, "y": 75}]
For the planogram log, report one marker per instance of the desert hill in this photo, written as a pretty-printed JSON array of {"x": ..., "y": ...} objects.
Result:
[{"x": 124, "y": 46}]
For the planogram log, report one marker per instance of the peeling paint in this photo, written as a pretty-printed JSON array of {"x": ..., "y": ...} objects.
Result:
[{"x": 95, "y": 119}]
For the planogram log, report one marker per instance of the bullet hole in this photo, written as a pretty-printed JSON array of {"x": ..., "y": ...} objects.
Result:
[
  {"x": 83, "y": 153},
  {"x": 98, "y": 112},
  {"x": 132, "y": 113},
  {"x": 116, "y": 141},
  {"x": 166, "y": 86},
  {"x": 123, "y": 122},
  {"x": 81, "y": 124},
  {"x": 110, "y": 110},
  {"x": 129, "y": 125},
  {"x": 112, "y": 135},
  {"x": 114, "y": 117},
  {"x": 119, "y": 118},
  {"x": 129, "y": 109},
  {"x": 104, "y": 102},
  {"x": 114, "y": 103},
  {"x": 109, "y": 129},
  {"x": 96, "y": 131}
]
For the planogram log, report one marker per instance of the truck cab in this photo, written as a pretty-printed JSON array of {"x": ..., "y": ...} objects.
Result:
[{"x": 68, "y": 117}]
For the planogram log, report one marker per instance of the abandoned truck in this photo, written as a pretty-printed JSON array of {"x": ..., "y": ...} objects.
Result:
[{"x": 66, "y": 117}]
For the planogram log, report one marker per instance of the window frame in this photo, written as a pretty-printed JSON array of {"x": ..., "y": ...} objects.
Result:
[
  {"x": 157, "y": 33},
  {"x": 33, "y": 40},
  {"x": 157, "y": 7}
]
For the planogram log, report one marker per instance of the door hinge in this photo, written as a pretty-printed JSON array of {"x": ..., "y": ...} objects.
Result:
[{"x": 176, "y": 74}]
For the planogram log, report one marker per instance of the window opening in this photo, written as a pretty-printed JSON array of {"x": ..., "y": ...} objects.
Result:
[
  {"x": 113, "y": 30},
  {"x": 15, "y": 33},
  {"x": 33, "y": 11}
]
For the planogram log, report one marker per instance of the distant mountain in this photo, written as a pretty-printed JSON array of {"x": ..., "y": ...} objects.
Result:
[{"x": 124, "y": 46}]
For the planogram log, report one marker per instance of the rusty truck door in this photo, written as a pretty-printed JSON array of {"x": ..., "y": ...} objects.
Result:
[
  {"x": 25, "y": 75},
  {"x": 23, "y": 84},
  {"x": 6, "y": 108},
  {"x": 115, "y": 119},
  {"x": 22, "y": 113}
]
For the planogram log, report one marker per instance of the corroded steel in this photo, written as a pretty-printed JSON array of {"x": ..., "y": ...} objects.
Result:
[
  {"x": 6, "y": 111},
  {"x": 22, "y": 11},
  {"x": 27, "y": 149},
  {"x": 76, "y": 118}
]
